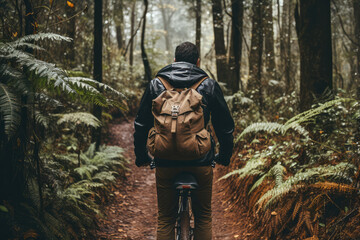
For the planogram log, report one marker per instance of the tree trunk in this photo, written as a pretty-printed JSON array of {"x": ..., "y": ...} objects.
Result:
[
  {"x": 313, "y": 19},
  {"x": 255, "y": 59},
  {"x": 237, "y": 8},
  {"x": 269, "y": 39},
  {"x": 119, "y": 23},
  {"x": 30, "y": 18},
  {"x": 131, "y": 55},
  {"x": 97, "y": 74},
  {"x": 356, "y": 4},
  {"x": 220, "y": 51},
  {"x": 198, "y": 26},
  {"x": 287, "y": 49},
  {"x": 166, "y": 24},
  {"x": 70, "y": 26},
  {"x": 147, "y": 68}
]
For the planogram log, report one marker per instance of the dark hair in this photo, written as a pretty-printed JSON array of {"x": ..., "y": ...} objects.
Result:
[{"x": 186, "y": 52}]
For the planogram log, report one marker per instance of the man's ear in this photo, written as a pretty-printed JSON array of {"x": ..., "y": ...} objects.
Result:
[
  {"x": 198, "y": 62},
  {"x": 174, "y": 59}
]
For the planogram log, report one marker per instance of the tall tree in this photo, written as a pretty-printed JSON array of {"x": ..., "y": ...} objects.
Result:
[
  {"x": 237, "y": 11},
  {"x": 167, "y": 12},
  {"x": 220, "y": 51},
  {"x": 269, "y": 38},
  {"x": 313, "y": 19},
  {"x": 145, "y": 59},
  {"x": 255, "y": 58},
  {"x": 119, "y": 23},
  {"x": 97, "y": 74},
  {"x": 198, "y": 25},
  {"x": 132, "y": 31},
  {"x": 356, "y": 5},
  {"x": 285, "y": 42},
  {"x": 30, "y": 18}
]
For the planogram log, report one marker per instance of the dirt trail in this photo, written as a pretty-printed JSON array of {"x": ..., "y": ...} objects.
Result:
[{"x": 132, "y": 213}]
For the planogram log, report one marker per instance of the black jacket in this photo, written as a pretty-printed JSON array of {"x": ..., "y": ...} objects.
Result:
[{"x": 184, "y": 75}]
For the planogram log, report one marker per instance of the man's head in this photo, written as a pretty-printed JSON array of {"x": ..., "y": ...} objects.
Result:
[{"x": 187, "y": 52}]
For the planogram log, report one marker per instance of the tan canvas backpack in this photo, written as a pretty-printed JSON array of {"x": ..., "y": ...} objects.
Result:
[{"x": 179, "y": 132}]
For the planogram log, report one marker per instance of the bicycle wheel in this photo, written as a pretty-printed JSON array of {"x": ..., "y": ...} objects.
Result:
[{"x": 185, "y": 224}]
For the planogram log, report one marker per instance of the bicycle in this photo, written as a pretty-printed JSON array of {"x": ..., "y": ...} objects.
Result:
[{"x": 184, "y": 183}]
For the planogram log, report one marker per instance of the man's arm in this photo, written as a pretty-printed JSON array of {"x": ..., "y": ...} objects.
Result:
[
  {"x": 143, "y": 122},
  {"x": 223, "y": 125}
]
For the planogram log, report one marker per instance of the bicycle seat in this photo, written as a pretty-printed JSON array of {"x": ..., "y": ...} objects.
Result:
[{"x": 185, "y": 181}]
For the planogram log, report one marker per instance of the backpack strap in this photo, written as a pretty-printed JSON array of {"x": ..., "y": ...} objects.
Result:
[
  {"x": 166, "y": 84},
  {"x": 197, "y": 84}
]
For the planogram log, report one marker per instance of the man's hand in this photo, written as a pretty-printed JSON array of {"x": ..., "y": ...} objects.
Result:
[{"x": 221, "y": 161}]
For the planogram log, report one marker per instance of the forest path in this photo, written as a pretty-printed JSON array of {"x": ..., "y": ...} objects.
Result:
[{"x": 132, "y": 214}]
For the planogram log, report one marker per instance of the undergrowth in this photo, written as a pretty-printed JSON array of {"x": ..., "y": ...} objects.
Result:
[
  {"x": 71, "y": 196},
  {"x": 300, "y": 177}
]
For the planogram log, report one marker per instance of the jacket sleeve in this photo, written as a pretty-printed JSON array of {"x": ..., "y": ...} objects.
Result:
[
  {"x": 143, "y": 122},
  {"x": 223, "y": 124}
]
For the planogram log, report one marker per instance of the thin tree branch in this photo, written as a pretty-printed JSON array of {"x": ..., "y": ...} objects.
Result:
[
  {"x": 68, "y": 19},
  {"x": 132, "y": 37},
  {"x": 225, "y": 9}
]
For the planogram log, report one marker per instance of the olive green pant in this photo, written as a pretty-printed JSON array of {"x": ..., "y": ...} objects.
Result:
[{"x": 167, "y": 201}]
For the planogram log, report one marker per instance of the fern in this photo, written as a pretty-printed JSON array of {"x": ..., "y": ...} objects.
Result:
[
  {"x": 293, "y": 123},
  {"x": 100, "y": 85},
  {"x": 254, "y": 167},
  {"x": 272, "y": 127},
  {"x": 343, "y": 171},
  {"x": 105, "y": 176},
  {"x": 277, "y": 172},
  {"x": 41, "y": 119},
  {"x": 9, "y": 110},
  {"x": 79, "y": 118},
  {"x": 86, "y": 170},
  {"x": 310, "y": 114},
  {"x": 44, "y": 36}
]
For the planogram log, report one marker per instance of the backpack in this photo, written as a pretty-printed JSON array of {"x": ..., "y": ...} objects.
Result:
[{"x": 179, "y": 132}]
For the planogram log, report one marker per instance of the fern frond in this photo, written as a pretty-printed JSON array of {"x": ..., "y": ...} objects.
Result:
[
  {"x": 272, "y": 127},
  {"x": 298, "y": 205},
  {"x": 311, "y": 175},
  {"x": 257, "y": 183},
  {"x": 15, "y": 79},
  {"x": 254, "y": 167},
  {"x": 278, "y": 172},
  {"x": 79, "y": 118},
  {"x": 9, "y": 109},
  {"x": 333, "y": 187},
  {"x": 269, "y": 127},
  {"x": 49, "y": 101},
  {"x": 44, "y": 36},
  {"x": 22, "y": 44},
  {"x": 105, "y": 176},
  {"x": 100, "y": 85},
  {"x": 41, "y": 119},
  {"x": 86, "y": 170},
  {"x": 310, "y": 114}
]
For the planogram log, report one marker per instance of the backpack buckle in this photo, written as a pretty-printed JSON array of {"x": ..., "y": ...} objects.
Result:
[{"x": 175, "y": 111}]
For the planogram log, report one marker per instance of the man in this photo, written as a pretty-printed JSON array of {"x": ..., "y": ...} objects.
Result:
[{"x": 181, "y": 74}]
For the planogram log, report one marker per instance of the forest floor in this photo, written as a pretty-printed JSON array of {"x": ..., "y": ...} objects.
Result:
[{"x": 132, "y": 213}]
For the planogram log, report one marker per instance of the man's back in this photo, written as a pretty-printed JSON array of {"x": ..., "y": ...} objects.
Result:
[{"x": 184, "y": 75}]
